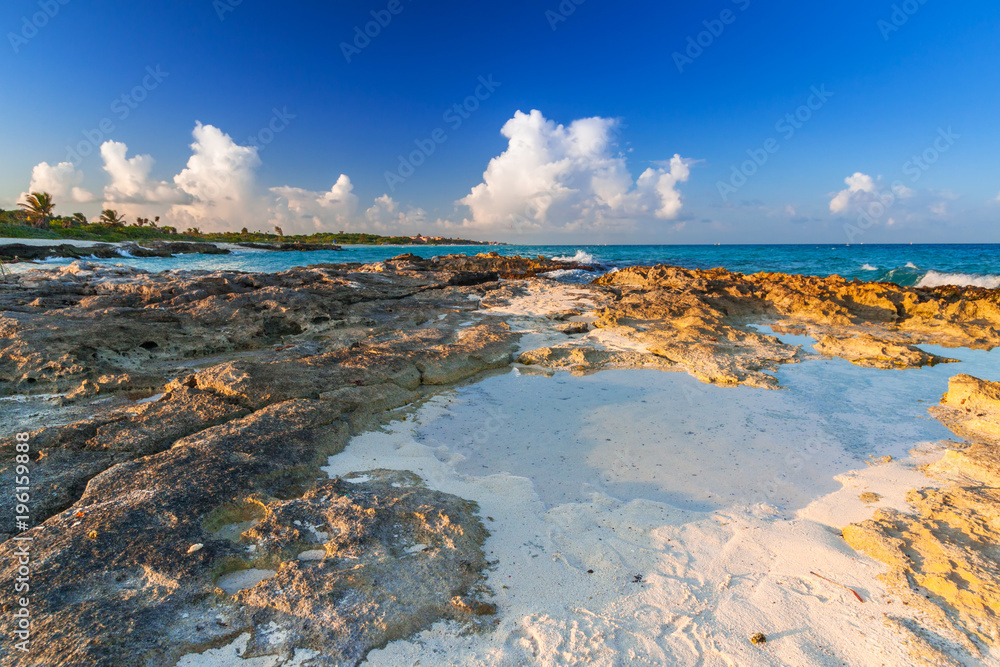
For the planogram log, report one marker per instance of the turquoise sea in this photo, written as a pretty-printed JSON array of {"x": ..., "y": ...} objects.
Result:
[{"x": 923, "y": 265}]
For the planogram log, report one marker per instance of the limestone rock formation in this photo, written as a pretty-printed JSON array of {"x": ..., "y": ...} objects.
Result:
[
  {"x": 22, "y": 252},
  {"x": 943, "y": 557},
  {"x": 703, "y": 321},
  {"x": 872, "y": 352},
  {"x": 259, "y": 379},
  {"x": 176, "y": 474}
]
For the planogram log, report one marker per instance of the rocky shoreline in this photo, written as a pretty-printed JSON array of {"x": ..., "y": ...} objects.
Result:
[
  {"x": 291, "y": 247},
  {"x": 12, "y": 253},
  {"x": 176, "y": 476}
]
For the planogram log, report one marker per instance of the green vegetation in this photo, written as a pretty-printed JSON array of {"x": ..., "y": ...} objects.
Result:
[
  {"x": 38, "y": 209},
  {"x": 110, "y": 218},
  {"x": 37, "y": 221}
]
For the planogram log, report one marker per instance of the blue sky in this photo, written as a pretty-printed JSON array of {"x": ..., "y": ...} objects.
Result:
[{"x": 895, "y": 87}]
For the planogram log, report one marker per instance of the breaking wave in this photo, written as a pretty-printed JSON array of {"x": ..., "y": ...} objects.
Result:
[
  {"x": 580, "y": 257},
  {"x": 935, "y": 279},
  {"x": 572, "y": 275}
]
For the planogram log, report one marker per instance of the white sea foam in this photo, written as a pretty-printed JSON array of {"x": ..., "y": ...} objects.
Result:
[
  {"x": 911, "y": 265},
  {"x": 571, "y": 275},
  {"x": 580, "y": 257},
  {"x": 868, "y": 267},
  {"x": 935, "y": 279}
]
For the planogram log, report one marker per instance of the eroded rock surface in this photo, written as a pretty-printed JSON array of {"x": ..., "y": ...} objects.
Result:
[
  {"x": 944, "y": 556},
  {"x": 702, "y": 322},
  {"x": 201, "y": 517},
  {"x": 872, "y": 352},
  {"x": 22, "y": 252},
  {"x": 259, "y": 379},
  {"x": 505, "y": 267}
]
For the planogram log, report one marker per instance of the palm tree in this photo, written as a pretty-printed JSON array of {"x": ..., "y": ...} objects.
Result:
[
  {"x": 38, "y": 206},
  {"x": 80, "y": 219},
  {"x": 111, "y": 218}
]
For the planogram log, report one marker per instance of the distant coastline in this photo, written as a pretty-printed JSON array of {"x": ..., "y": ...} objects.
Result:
[{"x": 18, "y": 225}]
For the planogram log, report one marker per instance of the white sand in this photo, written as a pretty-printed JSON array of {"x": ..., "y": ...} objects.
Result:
[
  {"x": 231, "y": 656},
  {"x": 723, "y": 500},
  {"x": 36, "y": 242},
  {"x": 643, "y": 518}
]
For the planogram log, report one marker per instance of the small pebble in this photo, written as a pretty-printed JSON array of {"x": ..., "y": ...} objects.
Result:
[
  {"x": 195, "y": 547},
  {"x": 758, "y": 639}
]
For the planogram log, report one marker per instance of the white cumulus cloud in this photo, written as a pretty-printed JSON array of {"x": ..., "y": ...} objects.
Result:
[
  {"x": 862, "y": 190},
  {"x": 220, "y": 177},
  {"x": 62, "y": 181},
  {"x": 300, "y": 211},
  {"x": 386, "y": 216},
  {"x": 858, "y": 184},
  {"x": 130, "y": 190},
  {"x": 552, "y": 176}
]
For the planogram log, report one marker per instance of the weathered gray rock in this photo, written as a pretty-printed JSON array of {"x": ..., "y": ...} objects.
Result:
[
  {"x": 126, "y": 496},
  {"x": 115, "y": 581}
]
